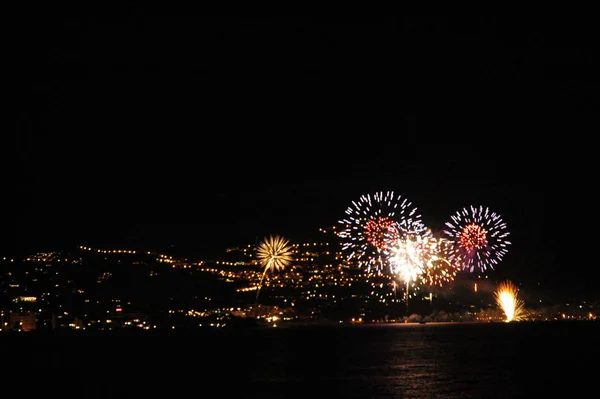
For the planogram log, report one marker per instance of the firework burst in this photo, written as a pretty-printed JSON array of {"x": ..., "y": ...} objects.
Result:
[
  {"x": 410, "y": 255},
  {"x": 506, "y": 296},
  {"x": 438, "y": 270},
  {"x": 406, "y": 261},
  {"x": 273, "y": 253},
  {"x": 372, "y": 223},
  {"x": 421, "y": 259},
  {"x": 478, "y": 239}
]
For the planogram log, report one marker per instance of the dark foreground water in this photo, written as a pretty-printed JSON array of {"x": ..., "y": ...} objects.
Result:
[{"x": 496, "y": 360}]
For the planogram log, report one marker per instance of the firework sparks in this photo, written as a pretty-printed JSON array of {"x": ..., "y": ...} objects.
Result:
[
  {"x": 421, "y": 258},
  {"x": 372, "y": 223},
  {"x": 478, "y": 238},
  {"x": 273, "y": 253},
  {"x": 407, "y": 259},
  {"x": 409, "y": 256},
  {"x": 438, "y": 269},
  {"x": 506, "y": 296}
]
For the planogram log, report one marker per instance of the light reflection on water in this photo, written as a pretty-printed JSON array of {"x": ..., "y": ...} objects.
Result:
[
  {"x": 415, "y": 361},
  {"x": 444, "y": 360}
]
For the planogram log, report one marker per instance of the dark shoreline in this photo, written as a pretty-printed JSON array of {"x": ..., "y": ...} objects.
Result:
[{"x": 304, "y": 325}]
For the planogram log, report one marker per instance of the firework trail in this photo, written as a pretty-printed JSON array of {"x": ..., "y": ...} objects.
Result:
[
  {"x": 273, "y": 253},
  {"x": 478, "y": 239},
  {"x": 438, "y": 270},
  {"x": 372, "y": 223},
  {"x": 506, "y": 296}
]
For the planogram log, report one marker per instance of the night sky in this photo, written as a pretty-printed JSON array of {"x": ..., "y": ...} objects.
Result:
[{"x": 200, "y": 132}]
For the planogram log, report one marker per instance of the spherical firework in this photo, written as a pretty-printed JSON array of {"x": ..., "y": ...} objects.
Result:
[
  {"x": 507, "y": 300},
  {"x": 273, "y": 253},
  {"x": 372, "y": 222},
  {"x": 478, "y": 239}
]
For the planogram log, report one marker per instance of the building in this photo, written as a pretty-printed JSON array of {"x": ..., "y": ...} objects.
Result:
[{"x": 21, "y": 321}]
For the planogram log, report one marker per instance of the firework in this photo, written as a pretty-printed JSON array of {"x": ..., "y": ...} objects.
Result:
[
  {"x": 507, "y": 300},
  {"x": 407, "y": 257},
  {"x": 421, "y": 259},
  {"x": 273, "y": 253},
  {"x": 438, "y": 269},
  {"x": 478, "y": 239},
  {"x": 372, "y": 223}
]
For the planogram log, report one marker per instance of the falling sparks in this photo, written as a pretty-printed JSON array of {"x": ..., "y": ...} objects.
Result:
[{"x": 438, "y": 269}]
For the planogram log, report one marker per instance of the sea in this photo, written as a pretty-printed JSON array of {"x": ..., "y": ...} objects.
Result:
[{"x": 404, "y": 360}]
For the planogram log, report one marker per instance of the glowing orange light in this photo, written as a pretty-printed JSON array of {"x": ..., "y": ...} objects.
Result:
[{"x": 473, "y": 237}]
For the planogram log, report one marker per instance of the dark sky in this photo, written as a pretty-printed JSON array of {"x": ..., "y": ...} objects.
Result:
[{"x": 203, "y": 132}]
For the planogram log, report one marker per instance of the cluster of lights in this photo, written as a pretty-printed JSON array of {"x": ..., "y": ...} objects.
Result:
[{"x": 109, "y": 251}]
